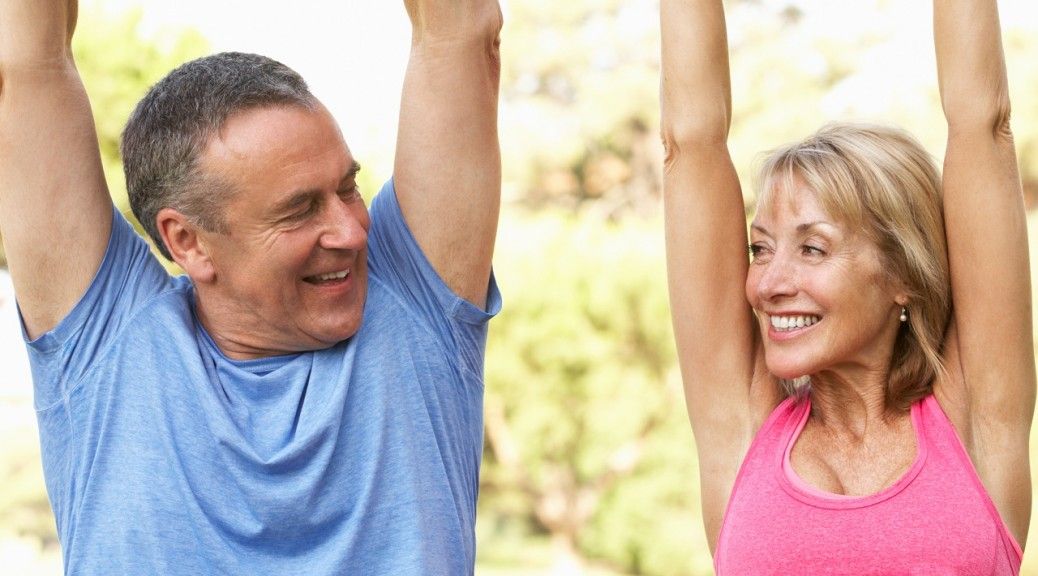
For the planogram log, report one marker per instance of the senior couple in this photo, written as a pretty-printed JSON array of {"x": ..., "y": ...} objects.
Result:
[{"x": 307, "y": 397}]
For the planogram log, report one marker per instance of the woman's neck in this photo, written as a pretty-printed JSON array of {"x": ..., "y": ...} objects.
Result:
[{"x": 851, "y": 405}]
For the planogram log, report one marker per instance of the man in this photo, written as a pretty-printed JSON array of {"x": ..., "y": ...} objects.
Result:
[{"x": 307, "y": 400}]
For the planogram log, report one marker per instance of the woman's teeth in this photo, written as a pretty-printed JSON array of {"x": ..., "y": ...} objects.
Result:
[{"x": 783, "y": 323}]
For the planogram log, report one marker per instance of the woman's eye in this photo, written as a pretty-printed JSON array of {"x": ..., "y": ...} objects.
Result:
[
  {"x": 810, "y": 250},
  {"x": 757, "y": 251}
]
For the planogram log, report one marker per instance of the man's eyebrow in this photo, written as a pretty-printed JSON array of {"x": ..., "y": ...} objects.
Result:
[
  {"x": 300, "y": 197},
  {"x": 351, "y": 173},
  {"x": 295, "y": 200}
]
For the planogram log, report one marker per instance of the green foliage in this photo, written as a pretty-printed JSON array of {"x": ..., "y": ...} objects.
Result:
[
  {"x": 587, "y": 435},
  {"x": 24, "y": 508},
  {"x": 580, "y": 105},
  {"x": 1022, "y": 58},
  {"x": 797, "y": 65},
  {"x": 578, "y": 100},
  {"x": 118, "y": 65}
]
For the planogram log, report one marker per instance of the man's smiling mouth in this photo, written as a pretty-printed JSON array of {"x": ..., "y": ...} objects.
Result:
[{"x": 330, "y": 277}]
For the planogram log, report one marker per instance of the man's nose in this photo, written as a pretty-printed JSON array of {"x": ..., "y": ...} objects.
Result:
[{"x": 342, "y": 227}]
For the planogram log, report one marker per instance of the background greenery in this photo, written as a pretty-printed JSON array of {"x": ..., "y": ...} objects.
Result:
[{"x": 589, "y": 464}]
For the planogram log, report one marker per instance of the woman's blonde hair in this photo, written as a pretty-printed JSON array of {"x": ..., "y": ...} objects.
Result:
[{"x": 881, "y": 181}]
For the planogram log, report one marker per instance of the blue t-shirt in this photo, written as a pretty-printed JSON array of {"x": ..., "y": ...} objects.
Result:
[{"x": 163, "y": 456}]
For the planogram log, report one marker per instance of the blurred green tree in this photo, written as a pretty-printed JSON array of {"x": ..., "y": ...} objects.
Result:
[
  {"x": 118, "y": 65},
  {"x": 1022, "y": 64},
  {"x": 579, "y": 105},
  {"x": 798, "y": 64},
  {"x": 580, "y": 111},
  {"x": 588, "y": 444}
]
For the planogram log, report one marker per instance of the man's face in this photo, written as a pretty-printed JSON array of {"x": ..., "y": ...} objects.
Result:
[{"x": 290, "y": 273}]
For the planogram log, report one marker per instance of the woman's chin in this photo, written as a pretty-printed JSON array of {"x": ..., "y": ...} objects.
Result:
[{"x": 788, "y": 371}]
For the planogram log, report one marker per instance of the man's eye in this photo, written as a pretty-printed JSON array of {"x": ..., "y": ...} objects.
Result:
[
  {"x": 304, "y": 212},
  {"x": 349, "y": 194}
]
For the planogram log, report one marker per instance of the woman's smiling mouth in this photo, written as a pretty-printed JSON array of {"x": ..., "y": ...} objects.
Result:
[{"x": 792, "y": 322}]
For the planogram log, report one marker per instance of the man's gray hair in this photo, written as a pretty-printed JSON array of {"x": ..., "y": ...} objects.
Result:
[{"x": 174, "y": 122}]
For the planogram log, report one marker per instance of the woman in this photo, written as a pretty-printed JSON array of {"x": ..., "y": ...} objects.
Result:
[{"x": 903, "y": 446}]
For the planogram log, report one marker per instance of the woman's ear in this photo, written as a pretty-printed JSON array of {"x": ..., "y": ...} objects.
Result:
[{"x": 186, "y": 245}]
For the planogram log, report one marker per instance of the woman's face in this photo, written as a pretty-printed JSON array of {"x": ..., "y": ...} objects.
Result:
[{"x": 818, "y": 289}]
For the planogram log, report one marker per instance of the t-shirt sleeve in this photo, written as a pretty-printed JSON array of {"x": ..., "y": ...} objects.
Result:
[
  {"x": 396, "y": 260},
  {"x": 128, "y": 277}
]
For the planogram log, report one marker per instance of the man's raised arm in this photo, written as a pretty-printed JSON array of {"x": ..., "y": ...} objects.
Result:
[
  {"x": 55, "y": 211},
  {"x": 448, "y": 161}
]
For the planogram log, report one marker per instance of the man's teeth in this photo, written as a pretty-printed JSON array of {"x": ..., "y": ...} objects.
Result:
[
  {"x": 782, "y": 323},
  {"x": 332, "y": 276}
]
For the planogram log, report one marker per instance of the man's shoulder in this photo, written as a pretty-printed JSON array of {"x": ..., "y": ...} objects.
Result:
[
  {"x": 387, "y": 312},
  {"x": 174, "y": 300},
  {"x": 163, "y": 318}
]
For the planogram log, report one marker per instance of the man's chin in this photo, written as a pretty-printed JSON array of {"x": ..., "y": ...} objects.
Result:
[{"x": 341, "y": 333}]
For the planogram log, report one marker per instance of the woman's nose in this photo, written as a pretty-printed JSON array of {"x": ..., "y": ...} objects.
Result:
[{"x": 778, "y": 278}]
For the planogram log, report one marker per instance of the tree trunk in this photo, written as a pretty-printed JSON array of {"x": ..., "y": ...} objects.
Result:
[{"x": 568, "y": 561}]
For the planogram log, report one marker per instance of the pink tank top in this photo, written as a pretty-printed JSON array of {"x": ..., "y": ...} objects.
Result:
[{"x": 936, "y": 520}]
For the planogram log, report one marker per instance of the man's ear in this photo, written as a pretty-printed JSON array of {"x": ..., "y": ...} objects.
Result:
[{"x": 186, "y": 245}]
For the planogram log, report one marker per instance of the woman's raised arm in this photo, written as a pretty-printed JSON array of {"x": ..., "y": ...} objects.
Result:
[
  {"x": 706, "y": 246},
  {"x": 990, "y": 392}
]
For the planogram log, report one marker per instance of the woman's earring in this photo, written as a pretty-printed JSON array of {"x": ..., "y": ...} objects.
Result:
[{"x": 904, "y": 314}]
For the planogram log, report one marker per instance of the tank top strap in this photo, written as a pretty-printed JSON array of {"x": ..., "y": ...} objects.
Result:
[
  {"x": 756, "y": 466},
  {"x": 944, "y": 439}
]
